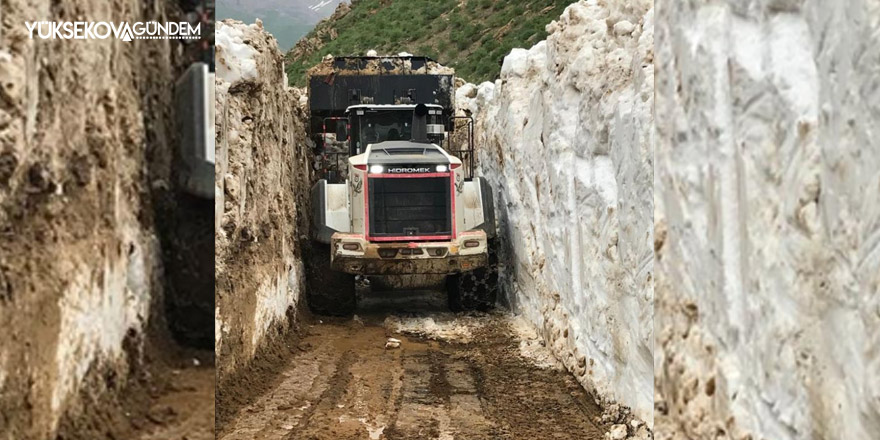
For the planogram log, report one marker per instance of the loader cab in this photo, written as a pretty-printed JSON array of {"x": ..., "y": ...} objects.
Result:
[
  {"x": 363, "y": 125},
  {"x": 371, "y": 124}
]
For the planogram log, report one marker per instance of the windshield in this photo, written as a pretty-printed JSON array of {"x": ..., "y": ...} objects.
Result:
[{"x": 386, "y": 125}]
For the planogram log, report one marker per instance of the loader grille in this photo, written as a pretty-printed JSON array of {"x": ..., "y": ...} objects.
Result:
[{"x": 409, "y": 208}]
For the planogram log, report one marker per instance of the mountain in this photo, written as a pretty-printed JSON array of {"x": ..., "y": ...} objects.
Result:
[
  {"x": 472, "y": 36},
  {"x": 287, "y": 20}
]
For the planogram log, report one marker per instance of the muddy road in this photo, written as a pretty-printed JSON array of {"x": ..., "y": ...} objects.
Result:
[
  {"x": 185, "y": 408},
  {"x": 169, "y": 397},
  {"x": 452, "y": 377}
]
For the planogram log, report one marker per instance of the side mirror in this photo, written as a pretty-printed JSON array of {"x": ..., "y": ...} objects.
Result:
[{"x": 341, "y": 131}]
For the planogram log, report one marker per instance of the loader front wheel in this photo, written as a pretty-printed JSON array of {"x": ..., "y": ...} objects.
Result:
[
  {"x": 477, "y": 289},
  {"x": 328, "y": 292}
]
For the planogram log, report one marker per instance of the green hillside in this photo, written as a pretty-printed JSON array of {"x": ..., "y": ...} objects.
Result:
[{"x": 472, "y": 36}]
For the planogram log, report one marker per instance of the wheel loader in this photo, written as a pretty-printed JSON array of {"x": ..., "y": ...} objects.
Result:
[{"x": 393, "y": 206}]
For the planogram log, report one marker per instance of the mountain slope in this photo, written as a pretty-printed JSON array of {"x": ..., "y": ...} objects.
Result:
[
  {"x": 472, "y": 36},
  {"x": 287, "y": 20}
]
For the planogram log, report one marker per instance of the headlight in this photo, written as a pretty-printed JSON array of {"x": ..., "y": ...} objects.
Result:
[
  {"x": 442, "y": 168},
  {"x": 376, "y": 169}
]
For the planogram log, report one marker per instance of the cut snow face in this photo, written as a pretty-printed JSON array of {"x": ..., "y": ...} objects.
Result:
[
  {"x": 252, "y": 159},
  {"x": 767, "y": 220},
  {"x": 574, "y": 112}
]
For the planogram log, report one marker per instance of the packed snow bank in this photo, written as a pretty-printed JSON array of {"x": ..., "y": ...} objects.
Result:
[
  {"x": 238, "y": 61},
  {"x": 768, "y": 220},
  {"x": 564, "y": 137},
  {"x": 83, "y": 129},
  {"x": 262, "y": 183}
]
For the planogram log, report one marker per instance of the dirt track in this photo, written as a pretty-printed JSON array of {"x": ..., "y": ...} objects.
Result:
[
  {"x": 186, "y": 409},
  {"x": 454, "y": 377}
]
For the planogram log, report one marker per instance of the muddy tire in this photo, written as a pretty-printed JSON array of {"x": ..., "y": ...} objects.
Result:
[
  {"x": 328, "y": 292},
  {"x": 477, "y": 289}
]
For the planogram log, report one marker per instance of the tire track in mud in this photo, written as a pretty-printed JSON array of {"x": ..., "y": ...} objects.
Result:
[
  {"x": 334, "y": 391},
  {"x": 346, "y": 385},
  {"x": 422, "y": 399}
]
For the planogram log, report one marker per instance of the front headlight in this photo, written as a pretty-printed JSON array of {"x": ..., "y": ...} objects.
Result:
[{"x": 376, "y": 169}]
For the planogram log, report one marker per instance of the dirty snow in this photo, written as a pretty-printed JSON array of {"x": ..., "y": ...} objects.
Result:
[
  {"x": 274, "y": 298},
  {"x": 257, "y": 135},
  {"x": 532, "y": 346},
  {"x": 99, "y": 309},
  {"x": 447, "y": 328},
  {"x": 80, "y": 266}
]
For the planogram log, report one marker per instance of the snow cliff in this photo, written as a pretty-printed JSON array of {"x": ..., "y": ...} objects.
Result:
[
  {"x": 768, "y": 220},
  {"x": 564, "y": 136},
  {"x": 262, "y": 178}
]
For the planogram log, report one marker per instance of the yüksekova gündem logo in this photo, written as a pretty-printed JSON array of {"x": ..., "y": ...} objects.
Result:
[{"x": 101, "y": 30}]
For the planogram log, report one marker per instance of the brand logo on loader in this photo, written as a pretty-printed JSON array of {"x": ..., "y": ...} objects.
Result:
[{"x": 414, "y": 170}]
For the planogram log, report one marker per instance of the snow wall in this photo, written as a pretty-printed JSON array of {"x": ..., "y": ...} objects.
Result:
[
  {"x": 768, "y": 219},
  {"x": 262, "y": 177},
  {"x": 83, "y": 136},
  {"x": 565, "y": 138}
]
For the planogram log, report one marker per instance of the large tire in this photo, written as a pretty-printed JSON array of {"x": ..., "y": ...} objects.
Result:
[
  {"x": 477, "y": 289},
  {"x": 328, "y": 292}
]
